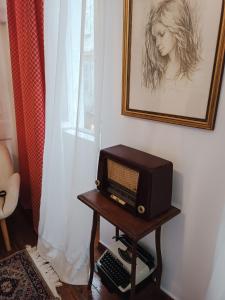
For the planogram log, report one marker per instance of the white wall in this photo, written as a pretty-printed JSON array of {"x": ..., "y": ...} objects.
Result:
[{"x": 189, "y": 240}]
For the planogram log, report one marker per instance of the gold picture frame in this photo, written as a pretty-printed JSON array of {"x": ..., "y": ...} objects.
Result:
[{"x": 149, "y": 101}]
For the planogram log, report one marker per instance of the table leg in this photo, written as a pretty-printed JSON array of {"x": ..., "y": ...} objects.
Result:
[
  {"x": 133, "y": 270},
  {"x": 92, "y": 244},
  {"x": 117, "y": 233},
  {"x": 158, "y": 273}
]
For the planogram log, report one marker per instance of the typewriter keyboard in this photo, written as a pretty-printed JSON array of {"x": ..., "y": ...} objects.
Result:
[{"x": 115, "y": 270}]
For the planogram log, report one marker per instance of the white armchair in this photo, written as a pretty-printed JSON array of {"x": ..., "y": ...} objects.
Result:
[{"x": 10, "y": 183}]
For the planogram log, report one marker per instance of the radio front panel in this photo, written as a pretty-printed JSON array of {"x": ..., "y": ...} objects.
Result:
[{"x": 122, "y": 175}]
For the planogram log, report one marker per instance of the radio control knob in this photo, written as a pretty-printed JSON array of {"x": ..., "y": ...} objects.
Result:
[
  {"x": 141, "y": 209},
  {"x": 97, "y": 182}
]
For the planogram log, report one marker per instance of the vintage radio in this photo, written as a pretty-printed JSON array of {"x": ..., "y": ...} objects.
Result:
[{"x": 137, "y": 181}]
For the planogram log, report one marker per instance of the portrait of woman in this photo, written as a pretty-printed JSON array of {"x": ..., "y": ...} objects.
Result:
[
  {"x": 173, "y": 54},
  {"x": 172, "y": 44}
]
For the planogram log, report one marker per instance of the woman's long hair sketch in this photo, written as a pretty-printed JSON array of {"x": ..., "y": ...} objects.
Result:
[{"x": 171, "y": 42}]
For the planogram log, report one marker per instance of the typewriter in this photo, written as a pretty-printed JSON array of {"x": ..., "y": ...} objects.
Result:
[{"x": 114, "y": 266}]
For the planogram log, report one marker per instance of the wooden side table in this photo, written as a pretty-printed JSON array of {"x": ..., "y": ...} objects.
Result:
[{"x": 134, "y": 227}]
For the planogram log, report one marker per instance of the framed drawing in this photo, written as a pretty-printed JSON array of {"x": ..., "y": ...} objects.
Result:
[{"x": 173, "y": 58}]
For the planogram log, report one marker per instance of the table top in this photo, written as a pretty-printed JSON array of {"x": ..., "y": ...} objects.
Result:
[{"x": 135, "y": 227}]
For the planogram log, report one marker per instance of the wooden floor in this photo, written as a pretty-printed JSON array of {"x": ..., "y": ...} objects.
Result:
[{"x": 22, "y": 233}]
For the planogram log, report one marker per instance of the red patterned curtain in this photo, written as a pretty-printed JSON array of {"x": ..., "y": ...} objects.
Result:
[{"x": 25, "y": 21}]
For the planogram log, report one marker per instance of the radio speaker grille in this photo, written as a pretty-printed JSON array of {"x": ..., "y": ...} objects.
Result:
[{"x": 126, "y": 177}]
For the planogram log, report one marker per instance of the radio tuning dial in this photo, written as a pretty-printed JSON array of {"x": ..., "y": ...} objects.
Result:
[
  {"x": 141, "y": 209},
  {"x": 97, "y": 182}
]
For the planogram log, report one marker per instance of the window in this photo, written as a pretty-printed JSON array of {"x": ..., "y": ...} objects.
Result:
[
  {"x": 86, "y": 113},
  {"x": 81, "y": 72}
]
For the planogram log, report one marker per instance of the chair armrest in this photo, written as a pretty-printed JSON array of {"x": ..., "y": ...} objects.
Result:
[{"x": 12, "y": 194}]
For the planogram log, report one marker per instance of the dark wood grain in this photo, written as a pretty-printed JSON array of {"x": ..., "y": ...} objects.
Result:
[
  {"x": 136, "y": 228},
  {"x": 92, "y": 246},
  {"x": 159, "y": 256},
  {"x": 133, "y": 269}
]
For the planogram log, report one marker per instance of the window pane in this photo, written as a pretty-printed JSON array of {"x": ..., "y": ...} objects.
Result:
[
  {"x": 86, "y": 116},
  {"x": 89, "y": 26},
  {"x": 87, "y": 94},
  {"x": 81, "y": 64}
]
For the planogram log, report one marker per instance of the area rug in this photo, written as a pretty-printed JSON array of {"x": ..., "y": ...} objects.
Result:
[{"x": 20, "y": 278}]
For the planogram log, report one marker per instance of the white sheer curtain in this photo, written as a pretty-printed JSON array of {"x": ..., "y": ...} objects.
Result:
[
  {"x": 3, "y": 15},
  {"x": 74, "y": 71}
]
